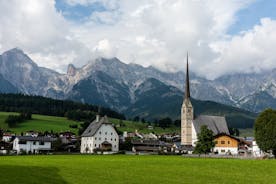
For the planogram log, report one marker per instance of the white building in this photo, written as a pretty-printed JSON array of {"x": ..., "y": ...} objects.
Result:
[
  {"x": 256, "y": 151},
  {"x": 99, "y": 135},
  {"x": 31, "y": 144},
  {"x": 7, "y": 137}
]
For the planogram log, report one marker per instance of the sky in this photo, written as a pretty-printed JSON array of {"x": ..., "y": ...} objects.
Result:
[{"x": 221, "y": 36}]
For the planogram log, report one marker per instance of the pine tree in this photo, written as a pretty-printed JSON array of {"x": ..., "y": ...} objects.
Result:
[{"x": 205, "y": 141}]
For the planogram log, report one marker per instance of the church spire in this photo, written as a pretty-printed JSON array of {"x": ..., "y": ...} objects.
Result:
[{"x": 187, "y": 89}]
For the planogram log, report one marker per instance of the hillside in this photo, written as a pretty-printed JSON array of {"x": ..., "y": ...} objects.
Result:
[
  {"x": 158, "y": 100},
  {"x": 43, "y": 123},
  {"x": 39, "y": 123}
]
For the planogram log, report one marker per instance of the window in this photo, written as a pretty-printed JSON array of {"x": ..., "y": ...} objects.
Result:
[
  {"x": 100, "y": 132},
  {"x": 95, "y": 145},
  {"x": 105, "y": 133},
  {"x": 34, "y": 143},
  {"x": 114, "y": 146},
  {"x": 105, "y": 139},
  {"x": 114, "y": 139},
  {"x": 22, "y": 142},
  {"x": 99, "y": 138},
  {"x": 222, "y": 151},
  {"x": 41, "y": 143},
  {"x": 95, "y": 138},
  {"x": 216, "y": 142},
  {"x": 111, "y": 139},
  {"x": 111, "y": 133},
  {"x": 228, "y": 142},
  {"x": 222, "y": 142}
]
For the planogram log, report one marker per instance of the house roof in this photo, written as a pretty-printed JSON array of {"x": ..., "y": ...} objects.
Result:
[
  {"x": 224, "y": 134},
  {"x": 94, "y": 127},
  {"x": 215, "y": 123},
  {"x": 30, "y": 138}
]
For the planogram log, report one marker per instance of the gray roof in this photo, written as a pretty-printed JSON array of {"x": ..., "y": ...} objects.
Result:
[
  {"x": 94, "y": 127},
  {"x": 215, "y": 123},
  {"x": 39, "y": 138}
]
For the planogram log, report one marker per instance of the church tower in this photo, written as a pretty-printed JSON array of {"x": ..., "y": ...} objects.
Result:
[{"x": 187, "y": 113}]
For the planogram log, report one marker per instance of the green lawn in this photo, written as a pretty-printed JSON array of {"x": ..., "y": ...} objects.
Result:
[
  {"x": 39, "y": 123},
  {"x": 58, "y": 124},
  {"x": 88, "y": 169}
]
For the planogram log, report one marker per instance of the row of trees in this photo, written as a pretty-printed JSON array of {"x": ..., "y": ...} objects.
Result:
[{"x": 48, "y": 106}]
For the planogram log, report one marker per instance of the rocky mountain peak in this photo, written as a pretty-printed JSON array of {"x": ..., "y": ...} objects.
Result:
[{"x": 71, "y": 70}]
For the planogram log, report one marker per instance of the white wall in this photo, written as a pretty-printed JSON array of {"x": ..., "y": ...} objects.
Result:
[
  {"x": 33, "y": 146},
  {"x": 194, "y": 135},
  {"x": 226, "y": 150},
  {"x": 256, "y": 151},
  {"x": 105, "y": 133}
]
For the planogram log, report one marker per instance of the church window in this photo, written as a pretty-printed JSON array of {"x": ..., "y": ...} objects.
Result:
[
  {"x": 100, "y": 132},
  {"x": 95, "y": 138},
  {"x": 95, "y": 145},
  {"x": 105, "y": 133},
  {"x": 111, "y": 139},
  {"x": 114, "y": 139},
  {"x": 105, "y": 139},
  {"x": 111, "y": 133}
]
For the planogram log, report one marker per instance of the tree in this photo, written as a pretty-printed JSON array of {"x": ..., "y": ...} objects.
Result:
[
  {"x": 165, "y": 122},
  {"x": 265, "y": 130},
  {"x": 205, "y": 141}
]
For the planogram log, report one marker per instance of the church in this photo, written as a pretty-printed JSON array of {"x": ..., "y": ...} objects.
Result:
[{"x": 190, "y": 125}]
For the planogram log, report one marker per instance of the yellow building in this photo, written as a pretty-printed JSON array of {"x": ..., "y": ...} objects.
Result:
[{"x": 226, "y": 144}]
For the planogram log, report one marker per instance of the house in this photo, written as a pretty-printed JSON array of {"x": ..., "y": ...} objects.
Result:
[
  {"x": 256, "y": 151},
  {"x": 226, "y": 144},
  {"x": 150, "y": 146},
  {"x": 32, "y": 133},
  {"x": 31, "y": 144},
  {"x": 100, "y": 135},
  {"x": 190, "y": 126},
  {"x": 5, "y": 147},
  {"x": 7, "y": 137}
]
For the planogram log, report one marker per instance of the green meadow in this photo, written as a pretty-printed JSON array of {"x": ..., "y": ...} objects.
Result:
[
  {"x": 39, "y": 123},
  {"x": 87, "y": 169},
  {"x": 57, "y": 124}
]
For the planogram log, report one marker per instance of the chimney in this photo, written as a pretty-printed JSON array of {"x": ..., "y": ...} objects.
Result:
[{"x": 97, "y": 118}]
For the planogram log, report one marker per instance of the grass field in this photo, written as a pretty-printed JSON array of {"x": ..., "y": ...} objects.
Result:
[
  {"x": 39, "y": 123},
  {"x": 58, "y": 124},
  {"x": 86, "y": 169}
]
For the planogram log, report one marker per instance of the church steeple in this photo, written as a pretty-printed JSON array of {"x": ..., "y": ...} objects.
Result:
[
  {"x": 187, "y": 89},
  {"x": 187, "y": 113}
]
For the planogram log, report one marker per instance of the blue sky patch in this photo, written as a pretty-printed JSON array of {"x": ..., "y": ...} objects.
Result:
[
  {"x": 78, "y": 13},
  {"x": 250, "y": 16}
]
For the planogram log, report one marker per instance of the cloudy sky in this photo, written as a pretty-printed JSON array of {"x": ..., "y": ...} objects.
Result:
[{"x": 221, "y": 36}]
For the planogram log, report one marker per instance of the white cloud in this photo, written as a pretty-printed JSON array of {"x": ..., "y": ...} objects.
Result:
[
  {"x": 36, "y": 27},
  {"x": 251, "y": 51},
  {"x": 155, "y": 32}
]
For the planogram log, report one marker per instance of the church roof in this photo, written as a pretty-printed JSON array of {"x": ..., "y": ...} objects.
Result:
[
  {"x": 215, "y": 123},
  {"x": 94, "y": 127}
]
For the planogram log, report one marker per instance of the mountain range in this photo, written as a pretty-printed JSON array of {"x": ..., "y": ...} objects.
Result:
[{"x": 136, "y": 90}]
